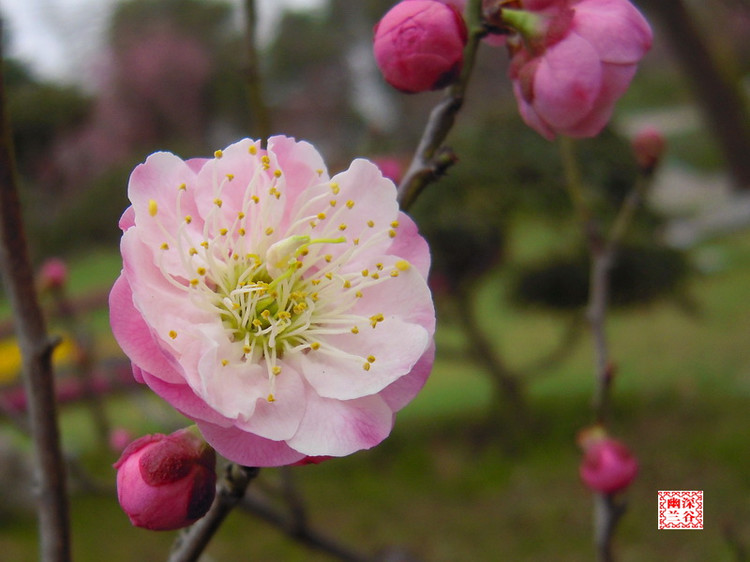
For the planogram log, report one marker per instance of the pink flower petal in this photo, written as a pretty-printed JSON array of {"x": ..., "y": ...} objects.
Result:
[
  {"x": 616, "y": 29},
  {"x": 248, "y": 449}
]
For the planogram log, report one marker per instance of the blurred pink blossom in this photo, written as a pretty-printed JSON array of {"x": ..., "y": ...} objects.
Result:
[
  {"x": 166, "y": 482},
  {"x": 285, "y": 311},
  {"x": 648, "y": 145},
  {"x": 572, "y": 60},
  {"x": 419, "y": 45},
  {"x": 53, "y": 274}
]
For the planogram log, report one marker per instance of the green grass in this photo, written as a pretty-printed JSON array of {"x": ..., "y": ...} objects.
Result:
[{"x": 440, "y": 489}]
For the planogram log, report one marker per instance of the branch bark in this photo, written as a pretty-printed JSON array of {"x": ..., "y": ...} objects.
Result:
[{"x": 36, "y": 350}]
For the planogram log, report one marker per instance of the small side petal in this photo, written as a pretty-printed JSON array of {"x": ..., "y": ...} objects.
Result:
[{"x": 248, "y": 449}]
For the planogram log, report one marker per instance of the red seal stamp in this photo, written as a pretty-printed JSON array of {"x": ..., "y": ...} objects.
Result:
[{"x": 681, "y": 510}]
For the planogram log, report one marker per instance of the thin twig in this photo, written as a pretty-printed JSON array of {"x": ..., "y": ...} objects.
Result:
[
  {"x": 36, "y": 350},
  {"x": 229, "y": 492},
  {"x": 602, "y": 250},
  {"x": 301, "y": 533},
  {"x": 431, "y": 159}
]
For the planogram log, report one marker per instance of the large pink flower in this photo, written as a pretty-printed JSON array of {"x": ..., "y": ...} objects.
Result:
[
  {"x": 286, "y": 312},
  {"x": 569, "y": 70}
]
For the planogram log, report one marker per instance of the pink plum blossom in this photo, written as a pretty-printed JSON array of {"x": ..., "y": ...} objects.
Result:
[
  {"x": 419, "y": 45},
  {"x": 285, "y": 311},
  {"x": 572, "y": 60},
  {"x": 166, "y": 482}
]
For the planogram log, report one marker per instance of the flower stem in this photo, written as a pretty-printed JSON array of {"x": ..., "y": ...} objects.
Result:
[
  {"x": 229, "y": 492},
  {"x": 36, "y": 350},
  {"x": 431, "y": 159}
]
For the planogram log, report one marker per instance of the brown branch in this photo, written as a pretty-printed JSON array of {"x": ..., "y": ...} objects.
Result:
[
  {"x": 36, "y": 350},
  {"x": 190, "y": 544},
  {"x": 431, "y": 159}
]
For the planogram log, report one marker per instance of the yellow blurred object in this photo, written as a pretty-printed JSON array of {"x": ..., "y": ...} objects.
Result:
[{"x": 10, "y": 357}]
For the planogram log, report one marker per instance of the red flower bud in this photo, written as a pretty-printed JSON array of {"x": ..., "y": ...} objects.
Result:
[
  {"x": 53, "y": 274},
  {"x": 419, "y": 45},
  {"x": 166, "y": 482},
  {"x": 608, "y": 466},
  {"x": 648, "y": 146}
]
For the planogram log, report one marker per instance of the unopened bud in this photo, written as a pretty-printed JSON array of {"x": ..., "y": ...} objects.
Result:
[
  {"x": 166, "y": 482},
  {"x": 53, "y": 274},
  {"x": 419, "y": 45},
  {"x": 648, "y": 146},
  {"x": 607, "y": 466}
]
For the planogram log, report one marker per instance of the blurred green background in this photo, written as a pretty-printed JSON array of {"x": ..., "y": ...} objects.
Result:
[{"x": 466, "y": 474}]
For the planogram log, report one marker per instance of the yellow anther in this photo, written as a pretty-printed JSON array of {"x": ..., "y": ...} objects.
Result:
[
  {"x": 366, "y": 366},
  {"x": 402, "y": 265},
  {"x": 194, "y": 282},
  {"x": 371, "y": 359},
  {"x": 392, "y": 233},
  {"x": 277, "y": 173},
  {"x": 182, "y": 187},
  {"x": 394, "y": 273},
  {"x": 257, "y": 323},
  {"x": 165, "y": 246},
  {"x": 329, "y": 275},
  {"x": 271, "y": 398},
  {"x": 255, "y": 199},
  {"x": 240, "y": 215},
  {"x": 332, "y": 202},
  {"x": 379, "y": 266},
  {"x": 313, "y": 224},
  {"x": 204, "y": 244},
  {"x": 266, "y": 161},
  {"x": 192, "y": 251},
  {"x": 218, "y": 202},
  {"x": 218, "y": 154},
  {"x": 347, "y": 284},
  {"x": 350, "y": 204},
  {"x": 246, "y": 349},
  {"x": 375, "y": 275},
  {"x": 275, "y": 369},
  {"x": 370, "y": 223},
  {"x": 241, "y": 231},
  {"x": 253, "y": 149},
  {"x": 315, "y": 345},
  {"x": 188, "y": 219},
  {"x": 365, "y": 272},
  {"x": 375, "y": 319},
  {"x": 224, "y": 362},
  {"x": 328, "y": 258},
  {"x": 230, "y": 177},
  {"x": 315, "y": 281},
  {"x": 266, "y": 314},
  {"x": 223, "y": 231},
  {"x": 172, "y": 334},
  {"x": 356, "y": 241},
  {"x": 201, "y": 271},
  {"x": 153, "y": 208},
  {"x": 355, "y": 330},
  {"x": 342, "y": 227},
  {"x": 335, "y": 188},
  {"x": 358, "y": 294},
  {"x": 269, "y": 231},
  {"x": 321, "y": 216}
]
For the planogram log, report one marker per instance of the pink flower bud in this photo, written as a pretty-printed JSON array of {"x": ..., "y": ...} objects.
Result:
[
  {"x": 572, "y": 60},
  {"x": 608, "y": 466},
  {"x": 166, "y": 482},
  {"x": 648, "y": 146},
  {"x": 53, "y": 274},
  {"x": 119, "y": 438},
  {"x": 419, "y": 45}
]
